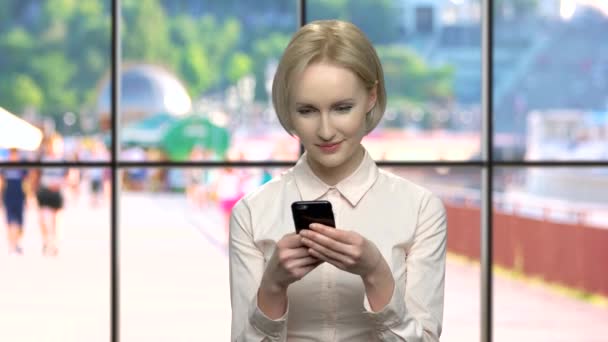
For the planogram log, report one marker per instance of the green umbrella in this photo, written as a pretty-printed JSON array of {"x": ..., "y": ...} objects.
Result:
[{"x": 191, "y": 131}]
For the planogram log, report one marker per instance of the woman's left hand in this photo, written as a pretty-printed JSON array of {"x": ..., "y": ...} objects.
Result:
[{"x": 347, "y": 250}]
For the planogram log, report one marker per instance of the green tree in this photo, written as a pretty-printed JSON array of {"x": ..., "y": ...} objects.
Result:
[
  {"x": 220, "y": 41},
  {"x": 266, "y": 49},
  {"x": 198, "y": 73},
  {"x": 407, "y": 76},
  {"x": 18, "y": 92},
  {"x": 145, "y": 35},
  {"x": 53, "y": 73},
  {"x": 239, "y": 65},
  {"x": 52, "y": 61}
]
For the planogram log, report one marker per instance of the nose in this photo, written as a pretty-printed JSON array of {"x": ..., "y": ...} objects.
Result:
[{"x": 326, "y": 130}]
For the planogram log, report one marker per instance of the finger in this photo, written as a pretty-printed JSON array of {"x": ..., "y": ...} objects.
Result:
[
  {"x": 327, "y": 259},
  {"x": 328, "y": 252},
  {"x": 297, "y": 253},
  {"x": 303, "y": 262},
  {"x": 325, "y": 241},
  {"x": 291, "y": 240},
  {"x": 340, "y": 235}
]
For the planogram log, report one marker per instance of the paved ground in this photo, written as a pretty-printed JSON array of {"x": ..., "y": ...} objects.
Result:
[{"x": 174, "y": 284}]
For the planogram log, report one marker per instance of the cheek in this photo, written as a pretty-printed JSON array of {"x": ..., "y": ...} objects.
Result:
[
  {"x": 303, "y": 129},
  {"x": 354, "y": 127}
]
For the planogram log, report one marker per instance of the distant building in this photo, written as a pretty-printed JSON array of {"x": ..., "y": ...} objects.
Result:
[
  {"x": 146, "y": 89},
  {"x": 423, "y": 17}
]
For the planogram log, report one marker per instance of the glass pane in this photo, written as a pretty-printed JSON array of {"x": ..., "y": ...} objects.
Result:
[
  {"x": 54, "y": 255},
  {"x": 459, "y": 189},
  {"x": 196, "y": 80},
  {"x": 54, "y": 53},
  {"x": 173, "y": 245},
  {"x": 431, "y": 56},
  {"x": 550, "y": 233},
  {"x": 550, "y": 101},
  {"x": 174, "y": 258}
]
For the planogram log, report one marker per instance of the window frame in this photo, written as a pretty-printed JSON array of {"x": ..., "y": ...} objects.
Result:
[{"x": 487, "y": 164}]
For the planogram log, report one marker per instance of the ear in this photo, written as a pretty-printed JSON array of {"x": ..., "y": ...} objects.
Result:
[{"x": 372, "y": 97}]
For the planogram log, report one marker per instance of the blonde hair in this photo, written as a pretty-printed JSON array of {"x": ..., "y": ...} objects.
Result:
[{"x": 336, "y": 42}]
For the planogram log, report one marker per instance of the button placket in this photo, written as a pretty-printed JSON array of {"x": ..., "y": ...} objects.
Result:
[
  {"x": 335, "y": 199},
  {"x": 325, "y": 297}
]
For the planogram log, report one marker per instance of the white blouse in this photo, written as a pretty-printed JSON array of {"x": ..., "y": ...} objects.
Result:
[{"x": 405, "y": 221}]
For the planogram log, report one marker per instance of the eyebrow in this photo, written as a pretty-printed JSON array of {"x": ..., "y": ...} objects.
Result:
[{"x": 341, "y": 102}]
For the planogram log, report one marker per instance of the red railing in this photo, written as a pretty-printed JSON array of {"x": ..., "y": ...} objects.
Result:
[{"x": 574, "y": 255}]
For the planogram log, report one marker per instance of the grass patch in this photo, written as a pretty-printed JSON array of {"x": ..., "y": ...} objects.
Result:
[{"x": 513, "y": 274}]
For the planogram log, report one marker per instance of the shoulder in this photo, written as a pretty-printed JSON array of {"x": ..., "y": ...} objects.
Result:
[
  {"x": 405, "y": 190},
  {"x": 393, "y": 182},
  {"x": 268, "y": 193}
]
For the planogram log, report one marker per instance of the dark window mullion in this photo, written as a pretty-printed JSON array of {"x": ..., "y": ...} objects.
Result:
[
  {"x": 115, "y": 117},
  {"x": 266, "y": 163},
  {"x": 487, "y": 174}
]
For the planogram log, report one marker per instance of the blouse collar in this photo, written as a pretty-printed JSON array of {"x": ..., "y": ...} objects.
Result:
[{"x": 352, "y": 187}]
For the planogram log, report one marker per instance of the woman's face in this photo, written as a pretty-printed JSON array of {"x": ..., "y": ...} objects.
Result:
[{"x": 328, "y": 114}]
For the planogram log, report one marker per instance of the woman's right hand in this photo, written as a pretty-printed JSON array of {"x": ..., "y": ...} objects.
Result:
[{"x": 289, "y": 263}]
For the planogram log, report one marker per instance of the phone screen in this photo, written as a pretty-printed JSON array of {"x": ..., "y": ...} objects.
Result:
[{"x": 307, "y": 212}]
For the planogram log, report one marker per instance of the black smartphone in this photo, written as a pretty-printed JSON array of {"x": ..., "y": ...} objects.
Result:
[{"x": 307, "y": 212}]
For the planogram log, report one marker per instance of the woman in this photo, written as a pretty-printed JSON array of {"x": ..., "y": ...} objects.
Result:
[
  {"x": 379, "y": 276},
  {"x": 49, "y": 195},
  {"x": 13, "y": 196}
]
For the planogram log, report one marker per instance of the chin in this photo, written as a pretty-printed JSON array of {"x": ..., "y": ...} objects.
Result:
[{"x": 329, "y": 161}]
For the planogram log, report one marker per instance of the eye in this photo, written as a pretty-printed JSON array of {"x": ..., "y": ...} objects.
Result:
[
  {"x": 305, "y": 110},
  {"x": 344, "y": 108}
]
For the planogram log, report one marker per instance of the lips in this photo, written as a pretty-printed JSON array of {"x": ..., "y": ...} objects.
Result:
[{"x": 330, "y": 147}]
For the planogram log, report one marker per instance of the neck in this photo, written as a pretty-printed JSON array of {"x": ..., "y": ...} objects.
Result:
[{"x": 334, "y": 175}]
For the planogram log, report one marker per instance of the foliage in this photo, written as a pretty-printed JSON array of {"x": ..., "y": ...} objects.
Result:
[
  {"x": 408, "y": 76},
  {"x": 56, "y": 52}
]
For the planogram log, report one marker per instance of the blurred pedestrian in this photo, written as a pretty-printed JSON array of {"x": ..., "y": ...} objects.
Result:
[
  {"x": 95, "y": 175},
  {"x": 135, "y": 177},
  {"x": 229, "y": 187},
  {"x": 194, "y": 178},
  {"x": 49, "y": 194},
  {"x": 12, "y": 183}
]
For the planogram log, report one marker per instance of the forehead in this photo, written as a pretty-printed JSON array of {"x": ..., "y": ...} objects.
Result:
[{"x": 321, "y": 82}]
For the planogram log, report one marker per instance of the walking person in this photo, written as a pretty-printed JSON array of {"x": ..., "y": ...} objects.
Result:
[
  {"x": 49, "y": 194},
  {"x": 12, "y": 184},
  {"x": 95, "y": 175}
]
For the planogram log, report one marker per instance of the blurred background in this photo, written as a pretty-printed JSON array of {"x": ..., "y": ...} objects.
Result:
[{"x": 196, "y": 80}]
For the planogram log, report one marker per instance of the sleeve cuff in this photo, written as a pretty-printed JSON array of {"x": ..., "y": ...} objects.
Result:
[
  {"x": 267, "y": 326},
  {"x": 392, "y": 314}
]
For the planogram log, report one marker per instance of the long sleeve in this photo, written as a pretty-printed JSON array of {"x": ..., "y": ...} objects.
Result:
[
  {"x": 246, "y": 268},
  {"x": 415, "y": 311}
]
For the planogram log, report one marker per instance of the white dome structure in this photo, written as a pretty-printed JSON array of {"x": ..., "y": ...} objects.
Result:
[{"x": 146, "y": 89}]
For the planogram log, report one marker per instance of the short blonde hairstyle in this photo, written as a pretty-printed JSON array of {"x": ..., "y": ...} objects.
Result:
[{"x": 336, "y": 42}]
